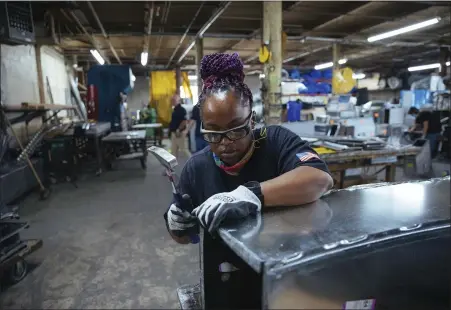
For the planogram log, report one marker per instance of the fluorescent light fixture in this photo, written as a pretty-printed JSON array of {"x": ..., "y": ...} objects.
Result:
[
  {"x": 330, "y": 64},
  {"x": 427, "y": 67},
  {"x": 358, "y": 76},
  {"x": 144, "y": 56},
  {"x": 97, "y": 56},
  {"x": 192, "y": 77},
  {"x": 424, "y": 67},
  {"x": 403, "y": 30}
]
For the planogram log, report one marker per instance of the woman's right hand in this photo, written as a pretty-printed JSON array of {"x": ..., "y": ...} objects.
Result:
[{"x": 180, "y": 220}]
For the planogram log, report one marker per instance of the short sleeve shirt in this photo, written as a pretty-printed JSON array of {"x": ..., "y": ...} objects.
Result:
[
  {"x": 195, "y": 115},
  {"x": 278, "y": 151},
  {"x": 178, "y": 116},
  {"x": 433, "y": 120}
]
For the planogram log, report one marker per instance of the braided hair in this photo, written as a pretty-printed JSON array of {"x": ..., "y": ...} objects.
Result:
[{"x": 223, "y": 72}]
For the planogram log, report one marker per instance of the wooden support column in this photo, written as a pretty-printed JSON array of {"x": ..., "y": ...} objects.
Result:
[
  {"x": 199, "y": 55},
  {"x": 444, "y": 57},
  {"x": 272, "y": 23},
  {"x": 336, "y": 66},
  {"x": 39, "y": 72},
  {"x": 178, "y": 80}
]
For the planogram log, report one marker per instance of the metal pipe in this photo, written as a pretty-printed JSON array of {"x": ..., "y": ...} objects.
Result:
[
  {"x": 91, "y": 38},
  {"x": 316, "y": 50},
  {"x": 149, "y": 30},
  {"x": 364, "y": 42},
  {"x": 186, "y": 33},
  {"x": 205, "y": 27},
  {"x": 164, "y": 17},
  {"x": 105, "y": 35}
]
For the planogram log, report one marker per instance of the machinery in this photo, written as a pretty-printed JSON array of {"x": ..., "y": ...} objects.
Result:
[{"x": 105, "y": 85}]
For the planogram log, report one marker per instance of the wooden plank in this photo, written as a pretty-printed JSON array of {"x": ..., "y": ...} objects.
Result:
[
  {"x": 39, "y": 72},
  {"x": 25, "y": 107},
  {"x": 358, "y": 155}
]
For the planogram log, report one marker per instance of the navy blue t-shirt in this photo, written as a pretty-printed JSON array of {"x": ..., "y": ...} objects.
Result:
[
  {"x": 178, "y": 116},
  {"x": 278, "y": 151},
  {"x": 195, "y": 115}
]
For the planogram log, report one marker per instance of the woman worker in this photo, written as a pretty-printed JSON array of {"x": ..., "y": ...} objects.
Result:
[{"x": 242, "y": 172}]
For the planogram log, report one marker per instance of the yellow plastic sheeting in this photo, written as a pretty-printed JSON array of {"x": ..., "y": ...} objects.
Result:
[{"x": 162, "y": 88}]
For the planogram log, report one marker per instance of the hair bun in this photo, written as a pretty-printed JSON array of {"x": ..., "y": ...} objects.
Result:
[{"x": 222, "y": 66}]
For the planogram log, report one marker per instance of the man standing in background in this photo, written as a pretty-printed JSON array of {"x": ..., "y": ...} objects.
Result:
[
  {"x": 429, "y": 123},
  {"x": 195, "y": 120},
  {"x": 178, "y": 126}
]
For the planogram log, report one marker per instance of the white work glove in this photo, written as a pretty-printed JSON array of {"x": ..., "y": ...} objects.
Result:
[
  {"x": 180, "y": 220},
  {"x": 236, "y": 204}
]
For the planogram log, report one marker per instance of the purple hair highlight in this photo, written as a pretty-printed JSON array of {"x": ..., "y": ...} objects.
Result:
[{"x": 223, "y": 72}]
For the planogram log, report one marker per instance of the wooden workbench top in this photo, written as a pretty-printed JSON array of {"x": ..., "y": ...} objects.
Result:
[
  {"x": 367, "y": 154},
  {"x": 26, "y": 106}
]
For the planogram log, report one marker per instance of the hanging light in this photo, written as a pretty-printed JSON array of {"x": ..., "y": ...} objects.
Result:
[
  {"x": 97, "y": 56},
  {"x": 144, "y": 56},
  {"x": 330, "y": 64},
  {"x": 403, "y": 30}
]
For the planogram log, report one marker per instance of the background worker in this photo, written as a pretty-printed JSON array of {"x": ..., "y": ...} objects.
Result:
[
  {"x": 243, "y": 172},
  {"x": 178, "y": 126},
  {"x": 430, "y": 125},
  {"x": 196, "y": 121}
]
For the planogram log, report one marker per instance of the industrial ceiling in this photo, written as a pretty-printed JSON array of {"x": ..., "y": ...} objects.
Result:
[{"x": 121, "y": 30}]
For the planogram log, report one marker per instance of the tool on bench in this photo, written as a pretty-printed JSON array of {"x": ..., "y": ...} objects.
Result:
[{"x": 169, "y": 162}]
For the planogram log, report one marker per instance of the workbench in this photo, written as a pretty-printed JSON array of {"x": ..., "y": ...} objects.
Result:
[
  {"x": 88, "y": 136},
  {"x": 387, "y": 158},
  {"x": 157, "y": 128},
  {"x": 25, "y": 112},
  {"x": 384, "y": 245},
  {"x": 125, "y": 145}
]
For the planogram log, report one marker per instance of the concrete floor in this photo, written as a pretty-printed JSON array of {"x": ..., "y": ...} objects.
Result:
[{"x": 106, "y": 245}]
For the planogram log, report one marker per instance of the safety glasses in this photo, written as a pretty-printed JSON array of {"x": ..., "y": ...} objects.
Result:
[{"x": 237, "y": 133}]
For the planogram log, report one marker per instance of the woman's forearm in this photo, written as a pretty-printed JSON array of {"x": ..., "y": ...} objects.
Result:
[{"x": 299, "y": 186}]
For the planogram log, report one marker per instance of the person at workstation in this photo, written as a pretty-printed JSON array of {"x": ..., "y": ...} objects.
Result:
[
  {"x": 430, "y": 126},
  {"x": 178, "y": 126},
  {"x": 196, "y": 121},
  {"x": 243, "y": 171}
]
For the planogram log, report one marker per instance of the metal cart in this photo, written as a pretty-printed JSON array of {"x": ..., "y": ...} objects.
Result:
[
  {"x": 125, "y": 145},
  {"x": 14, "y": 250}
]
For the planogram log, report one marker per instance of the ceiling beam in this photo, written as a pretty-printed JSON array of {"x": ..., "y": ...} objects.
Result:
[
  {"x": 91, "y": 38},
  {"x": 353, "y": 13},
  {"x": 186, "y": 33},
  {"x": 256, "y": 32},
  {"x": 350, "y": 39},
  {"x": 105, "y": 35},
  {"x": 148, "y": 30},
  {"x": 205, "y": 27}
]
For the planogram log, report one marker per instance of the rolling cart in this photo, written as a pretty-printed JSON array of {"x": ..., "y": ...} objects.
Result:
[
  {"x": 14, "y": 250},
  {"x": 125, "y": 145}
]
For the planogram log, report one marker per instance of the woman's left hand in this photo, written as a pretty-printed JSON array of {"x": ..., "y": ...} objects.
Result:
[{"x": 236, "y": 204}]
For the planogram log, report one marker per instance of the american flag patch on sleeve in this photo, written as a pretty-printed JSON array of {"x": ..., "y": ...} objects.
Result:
[{"x": 306, "y": 156}]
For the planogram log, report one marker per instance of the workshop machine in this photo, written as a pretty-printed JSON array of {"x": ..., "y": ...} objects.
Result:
[{"x": 105, "y": 84}]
